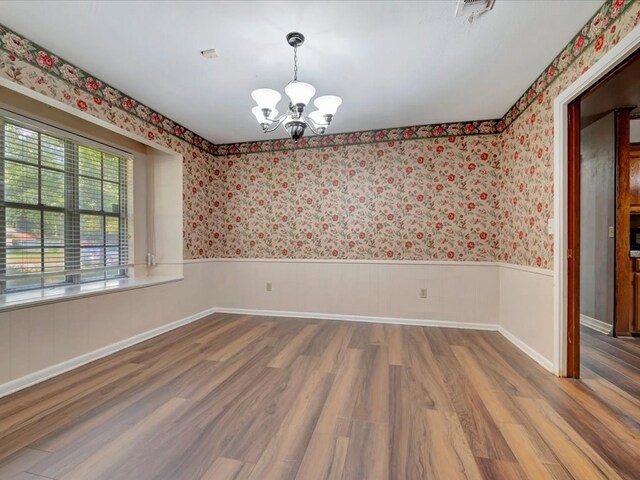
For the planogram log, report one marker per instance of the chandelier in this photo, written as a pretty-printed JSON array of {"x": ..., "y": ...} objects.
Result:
[{"x": 295, "y": 120}]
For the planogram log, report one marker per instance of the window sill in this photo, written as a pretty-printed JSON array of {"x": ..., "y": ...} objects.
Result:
[{"x": 34, "y": 298}]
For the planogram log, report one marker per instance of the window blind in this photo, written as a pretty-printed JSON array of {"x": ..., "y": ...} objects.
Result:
[{"x": 63, "y": 209}]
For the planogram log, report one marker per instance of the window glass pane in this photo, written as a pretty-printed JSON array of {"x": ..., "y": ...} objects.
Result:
[
  {"x": 111, "y": 167},
  {"x": 91, "y": 230},
  {"x": 52, "y": 188},
  {"x": 111, "y": 197},
  {"x": 20, "y": 143},
  {"x": 24, "y": 283},
  {"x": 52, "y": 152},
  {"x": 20, "y": 183},
  {"x": 90, "y": 161},
  {"x": 92, "y": 277},
  {"x": 91, "y": 257},
  {"x": 55, "y": 280},
  {"x": 23, "y": 260},
  {"x": 112, "y": 228},
  {"x": 23, "y": 227},
  {"x": 53, "y": 229},
  {"x": 42, "y": 233},
  {"x": 89, "y": 195},
  {"x": 53, "y": 259},
  {"x": 113, "y": 256}
]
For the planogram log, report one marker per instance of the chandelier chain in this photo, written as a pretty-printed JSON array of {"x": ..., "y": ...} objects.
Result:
[{"x": 295, "y": 63}]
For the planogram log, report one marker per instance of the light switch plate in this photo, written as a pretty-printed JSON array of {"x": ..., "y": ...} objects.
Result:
[
  {"x": 612, "y": 232},
  {"x": 550, "y": 226}
]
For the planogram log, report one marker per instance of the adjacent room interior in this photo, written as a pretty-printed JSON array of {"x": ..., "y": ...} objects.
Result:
[
  {"x": 320, "y": 240},
  {"x": 610, "y": 202}
]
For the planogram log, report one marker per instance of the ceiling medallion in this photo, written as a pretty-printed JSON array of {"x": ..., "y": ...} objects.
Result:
[{"x": 295, "y": 120}]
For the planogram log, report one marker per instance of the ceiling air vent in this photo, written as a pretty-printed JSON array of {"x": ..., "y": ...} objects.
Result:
[{"x": 472, "y": 9}]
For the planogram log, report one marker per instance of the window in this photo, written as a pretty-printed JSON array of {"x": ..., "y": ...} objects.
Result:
[{"x": 63, "y": 209}]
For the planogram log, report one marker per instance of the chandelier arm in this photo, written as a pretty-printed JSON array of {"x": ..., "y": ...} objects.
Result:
[
  {"x": 317, "y": 129},
  {"x": 275, "y": 124}
]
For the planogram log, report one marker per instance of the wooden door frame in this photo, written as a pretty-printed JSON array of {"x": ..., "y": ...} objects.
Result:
[
  {"x": 623, "y": 297},
  {"x": 566, "y": 358},
  {"x": 623, "y": 278},
  {"x": 573, "y": 239}
]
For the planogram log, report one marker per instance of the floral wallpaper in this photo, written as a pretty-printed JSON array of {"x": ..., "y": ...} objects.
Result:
[
  {"x": 527, "y": 142},
  {"x": 478, "y": 190},
  {"x": 435, "y": 199}
]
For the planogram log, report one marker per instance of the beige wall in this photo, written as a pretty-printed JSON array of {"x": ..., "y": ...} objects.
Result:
[
  {"x": 597, "y": 214},
  {"x": 35, "y": 338},
  {"x": 526, "y": 310},
  {"x": 462, "y": 292}
]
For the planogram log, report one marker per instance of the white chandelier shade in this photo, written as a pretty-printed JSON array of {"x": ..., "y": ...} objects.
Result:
[
  {"x": 328, "y": 104},
  {"x": 260, "y": 116},
  {"x": 295, "y": 119},
  {"x": 318, "y": 118},
  {"x": 300, "y": 93},
  {"x": 266, "y": 98}
]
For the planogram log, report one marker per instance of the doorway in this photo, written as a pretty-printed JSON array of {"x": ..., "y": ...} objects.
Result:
[{"x": 603, "y": 213}]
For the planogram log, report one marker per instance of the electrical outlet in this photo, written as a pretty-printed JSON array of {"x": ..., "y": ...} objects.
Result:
[
  {"x": 423, "y": 293},
  {"x": 269, "y": 287},
  {"x": 612, "y": 232}
]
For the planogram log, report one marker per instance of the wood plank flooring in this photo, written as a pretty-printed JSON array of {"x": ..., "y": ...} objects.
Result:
[{"x": 242, "y": 397}]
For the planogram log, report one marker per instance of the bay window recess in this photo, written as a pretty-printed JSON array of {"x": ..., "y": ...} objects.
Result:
[{"x": 63, "y": 209}]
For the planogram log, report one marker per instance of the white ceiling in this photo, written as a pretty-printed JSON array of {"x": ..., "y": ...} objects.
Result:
[{"x": 394, "y": 63}]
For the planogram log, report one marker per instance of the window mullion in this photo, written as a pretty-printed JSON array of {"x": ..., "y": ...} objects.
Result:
[
  {"x": 72, "y": 217},
  {"x": 40, "y": 207},
  {"x": 104, "y": 217},
  {"x": 3, "y": 215},
  {"x": 123, "y": 233}
]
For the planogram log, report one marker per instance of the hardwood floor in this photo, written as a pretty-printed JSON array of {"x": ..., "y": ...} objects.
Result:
[
  {"x": 612, "y": 362},
  {"x": 242, "y": 397}
]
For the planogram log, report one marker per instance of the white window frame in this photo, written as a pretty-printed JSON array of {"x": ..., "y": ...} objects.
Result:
[{"x": 72, "y": 272}]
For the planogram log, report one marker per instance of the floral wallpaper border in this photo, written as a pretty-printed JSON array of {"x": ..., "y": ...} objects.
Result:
[
  {"x": 41, "y": 58},
  {"x": 416, "y": 132},
  {"x": 591, "y": 33}
]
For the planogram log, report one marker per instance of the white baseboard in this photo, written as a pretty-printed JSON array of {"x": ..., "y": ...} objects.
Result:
[
  {"x": 360, "y": 318},
  {"x": 544, "y": 362},
  {"x": 595, "y": 324},
  {"x": 547, "y": 364},
  {"x": 54, "y": 370}
]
